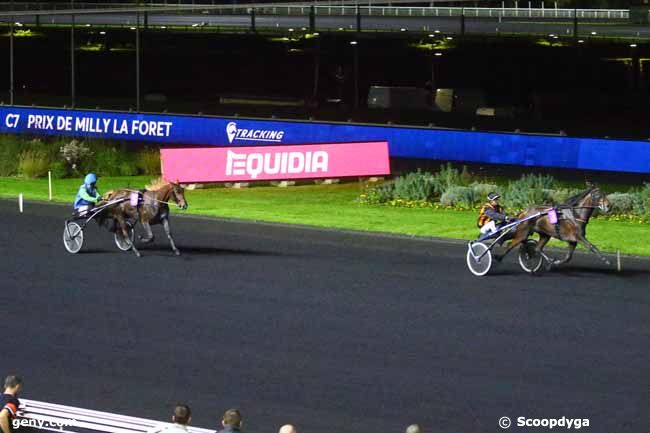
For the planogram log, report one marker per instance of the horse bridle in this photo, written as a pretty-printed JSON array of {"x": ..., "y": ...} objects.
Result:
[
  {"x": 592, "y": 197},
  {"x": 176, "y": 194}
]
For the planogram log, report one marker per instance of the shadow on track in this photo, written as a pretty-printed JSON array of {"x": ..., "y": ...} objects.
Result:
[
  {"x": 161, "y": 251},
  {"x": 94, "y": 251},
  {"x": 213, "y": 251},
  {"x": 582, "y": 270},
  {"x": 577, "y": 271}
]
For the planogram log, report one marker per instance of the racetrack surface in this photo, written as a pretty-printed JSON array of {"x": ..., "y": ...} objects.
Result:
[{"x": 332, "y": 331}]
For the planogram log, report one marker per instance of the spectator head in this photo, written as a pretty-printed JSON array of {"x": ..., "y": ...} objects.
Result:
[
  {"x": 413, "y": 428},
  {"x": 232, "y": 418},
  {"x": 13, "y": 384},
  {"x": 182, "y": 414},
  {"x": 288, "y": 428}
]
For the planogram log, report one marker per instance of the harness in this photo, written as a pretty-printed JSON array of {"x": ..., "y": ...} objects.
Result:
[
  {"x": 560, "y": 214},
  {"x": 145, "y": 198},
  {"x": 565, "y": 212}
]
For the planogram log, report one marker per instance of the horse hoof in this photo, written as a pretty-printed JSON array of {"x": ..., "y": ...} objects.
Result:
[
  {"x": 177, "y": 253},
  {"x": 138, "y": 255}
]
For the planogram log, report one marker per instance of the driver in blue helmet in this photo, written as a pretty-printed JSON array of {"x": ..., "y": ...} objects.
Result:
[{"x": 88, "y": 195}]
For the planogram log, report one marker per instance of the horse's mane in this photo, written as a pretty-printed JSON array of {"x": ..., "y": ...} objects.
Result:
[
  {"x": 156, "y": 184},
  {"x": 575, "y": 199}
]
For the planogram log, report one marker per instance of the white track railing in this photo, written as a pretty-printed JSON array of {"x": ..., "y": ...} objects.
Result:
[
  {"x": 67, "y": 419},
  {"x": 331, "y": 9},
  {"x": 469, "y": 12}
]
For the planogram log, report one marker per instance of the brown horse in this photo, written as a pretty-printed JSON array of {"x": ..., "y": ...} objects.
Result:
[
  {"x": 572, "y": 219},
  {"x": 152, "y": 208}
]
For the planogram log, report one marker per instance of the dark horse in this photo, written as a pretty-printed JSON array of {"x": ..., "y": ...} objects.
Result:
[
  {"x": 572, "y": 219},
  {"x": 152, "y": 208}
]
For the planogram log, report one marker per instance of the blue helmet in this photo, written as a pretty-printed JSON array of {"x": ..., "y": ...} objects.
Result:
[{"x": 90, "y": 178}]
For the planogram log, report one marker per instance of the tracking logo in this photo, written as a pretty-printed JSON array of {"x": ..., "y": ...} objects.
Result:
[{"x": 263, "y": 135}]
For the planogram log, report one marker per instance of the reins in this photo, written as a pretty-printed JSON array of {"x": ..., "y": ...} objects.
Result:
[
  {"x": 140, "y": 193},
  {"x": 584, "y": 221},
  {"x": 578, "y": 207}
]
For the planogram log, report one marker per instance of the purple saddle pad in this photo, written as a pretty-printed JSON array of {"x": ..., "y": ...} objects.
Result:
[{"x": 133, "y": 199}]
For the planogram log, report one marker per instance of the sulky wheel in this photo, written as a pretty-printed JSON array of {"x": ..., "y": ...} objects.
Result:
[
  {"x": 530, "y": 259},
  {"x": 478, "y": 265},
  {"x": 121, "y": 243},
  {"x": 73, "y": 237}
]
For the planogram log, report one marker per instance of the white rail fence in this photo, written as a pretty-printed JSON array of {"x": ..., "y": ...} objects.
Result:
[
  {"x": 67, "y": 419},
  {"x": 469, "y": 12},
  {"x": 330, "y": 9}
]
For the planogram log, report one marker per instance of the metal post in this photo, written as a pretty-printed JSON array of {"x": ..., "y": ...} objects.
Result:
[
  {"x": 314, "y": 96},
  {"x": 433, "y": 75},
  {"x": 137, "y": 62},
  {"x": 312, "y": 19},
  {"x": 72, "y": 62},
  {"x": 358, "y": 18},
  {"x": 12, "y": 88},
  {"x": 253, "y": 20},
  {"x": 462, "y": 21},
  {"x": 575, "y": 23},
  {"x": 356, "y": 75},
  {"x": 635, "y": 68}
]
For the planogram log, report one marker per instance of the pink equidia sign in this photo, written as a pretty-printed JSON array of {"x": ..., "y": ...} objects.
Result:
[
  {"x": 552, "y": 216},
  {"x": 228, "y": 164}
]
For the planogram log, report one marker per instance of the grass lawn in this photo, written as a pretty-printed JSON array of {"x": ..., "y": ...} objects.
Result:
[{"x": 328, "y": 206}]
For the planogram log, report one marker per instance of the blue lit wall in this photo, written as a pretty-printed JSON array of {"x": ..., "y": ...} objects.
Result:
[{"x": 424, "y": 143}]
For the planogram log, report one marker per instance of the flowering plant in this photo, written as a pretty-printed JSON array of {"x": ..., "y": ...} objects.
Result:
[{"x": 74, "y": 153}]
